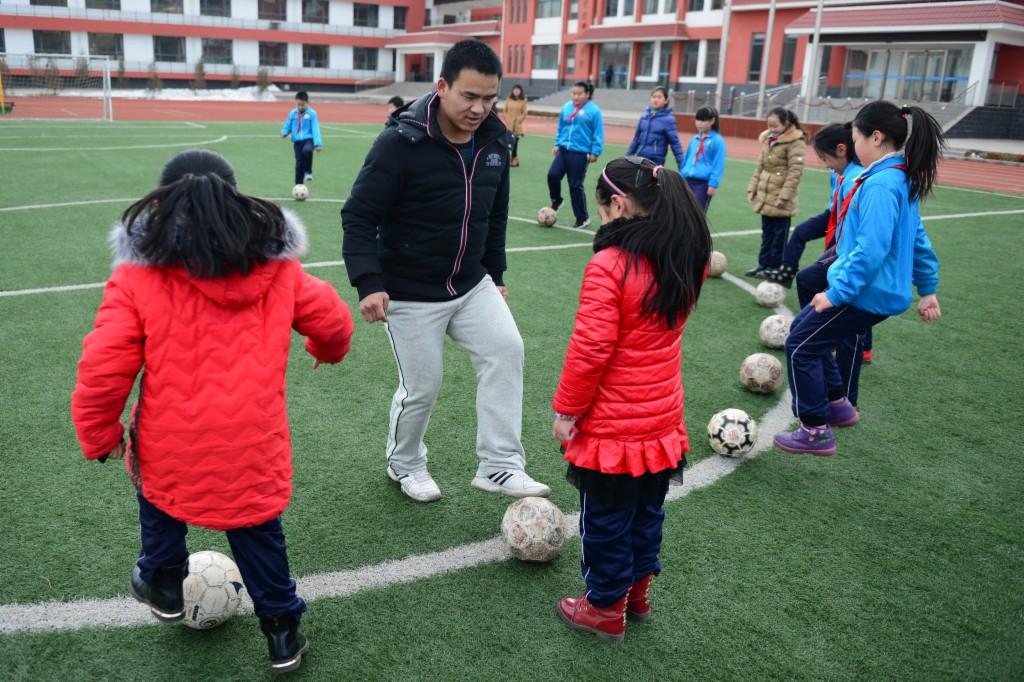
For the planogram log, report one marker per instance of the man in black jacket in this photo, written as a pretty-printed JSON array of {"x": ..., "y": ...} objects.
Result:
[{"x": 425, "y": 247}]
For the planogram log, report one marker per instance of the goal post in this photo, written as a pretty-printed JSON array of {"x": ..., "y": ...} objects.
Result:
[{"x": 56, "y": 86}]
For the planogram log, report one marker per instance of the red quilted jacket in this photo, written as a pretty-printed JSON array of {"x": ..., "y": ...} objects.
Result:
[
  {"x": 210, "y": 443},
  {"x": 622, "y": 375}
]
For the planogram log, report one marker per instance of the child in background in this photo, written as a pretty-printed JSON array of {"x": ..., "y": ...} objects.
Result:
[
  {"x": 394, "y": 104},
  {"x": 619, "y": 403},
  {"x": 881, "y": 251},
  {"x": 773, "y": 188},
  {"x": 304, "y": 127},
  {"x": 656, "y": 132},
  {"x": 704, "y": 164},
  {"x": 205, "y": 292},
  {"x": 515, "y": 116},
  {"x": 579, "y": 141}
]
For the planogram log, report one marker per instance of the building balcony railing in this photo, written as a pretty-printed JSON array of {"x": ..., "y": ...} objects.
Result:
[{"x": 193, "y": 20}]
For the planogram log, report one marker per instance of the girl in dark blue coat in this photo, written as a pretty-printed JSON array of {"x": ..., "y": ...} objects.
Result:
[{"x": 656, "y": 131}]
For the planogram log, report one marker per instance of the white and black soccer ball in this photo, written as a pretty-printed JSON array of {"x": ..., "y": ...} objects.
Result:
[
  {"x": 761, "y": 373},
  {"x": 717, "y": 264},
  {"x": 774, "y": 331},
  {"x": 732, "y": 432},
  {"x": 533, "y": 529},
  {"x": 546, "y": 217},
  {"x": 212, "y": 590},
  {"x": 770, "y": 294},
  {"x": 300, "y": 192}
]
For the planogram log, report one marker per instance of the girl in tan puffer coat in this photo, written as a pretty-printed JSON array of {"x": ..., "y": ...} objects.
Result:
[
  {"x": 773, "y": 188},
  {"x": 515, "y": 117}
]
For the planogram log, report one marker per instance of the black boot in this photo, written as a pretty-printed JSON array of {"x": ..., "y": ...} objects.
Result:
[
  {"x": 163, "y": 596},
  {"x": 286, "y": 642},
  {"x": 783, "y": 275}
]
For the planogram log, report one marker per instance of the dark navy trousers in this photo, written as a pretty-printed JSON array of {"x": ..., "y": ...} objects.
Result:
[
  {"x": 620, "y": 545},
  {"x": 258, "y": 551},
  {"x": 808, "y": 230},
  {"x": 814, "y": 371},
  {"x": 303, "y": 160},
  {"x": 700, "y": 192},
  {"x": 774, "y": 231},
  {"x": 573, "y": 164}
]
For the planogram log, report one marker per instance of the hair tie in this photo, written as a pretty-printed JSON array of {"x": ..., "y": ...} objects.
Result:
[
  {"x": 904, "y": 112},
  {"x": 604, "y": 174},
  {"x": 656, "y": 170}
]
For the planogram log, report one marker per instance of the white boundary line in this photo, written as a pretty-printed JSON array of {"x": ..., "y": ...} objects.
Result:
[
  {"x": 194, "y": 125},
  {"x": 124, "y": 611},
  {"x": 168, "y": 145}
]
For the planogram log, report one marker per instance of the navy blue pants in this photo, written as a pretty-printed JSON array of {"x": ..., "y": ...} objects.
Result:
[
  {"x": 814, "y": 372},
  {"x": 573, "y": 164},
  {"x": 303, "y": 160},
  {"x": 700, "y": 192},
  {"x": 773, "y": 240},
  {"x": 808, "y": 230},
  {"x": 258, "y": 551},
  {"x": 619, "y": 545}
]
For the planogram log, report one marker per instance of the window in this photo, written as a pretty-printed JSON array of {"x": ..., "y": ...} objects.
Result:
[
  {"x": 103, "y": 4},
  {"x": 314, "y": 11},
  {"x": 365, "y": 15},
  {"x": 400, "y": 15},
  {"x": 49, "y": 3},
  {"x": 549, "y": 8},
  {"x": 3, "y": 41},
  {"x": 574, "y": 9},
  {"x": 52, "y": 42},
  {"x": 611, "y": 8},
  {"x": 166, "y": 49},
  {"x": 216, "y": 51},
  {"x": 716, "y": 4},
  {"x": 449, "y": 19},
  {"x": 215, "y": 8},
  {"x": 645, "y": 59},
  {"x": 545, "y": 57},
  {"x": 106, "y": 44},
  {"x": 650, "y": 6},
  {"x": 695, "y": 6},
  {"x": 570, "y": 58},
  {"x": 315, "y": 56},
  {"x": 756, "y": 52},
  {"x": 272, "y": 10},
  {"x": 627, "y": 9},
  {"x": 364, "y": 58},
  {"x": 691, "y": 49},
  {"x": 273, "y": 54},
  {"x": 788, "y": 57},
  {"x": 665, "y": 62},
  {"x": 711, "y": 58},
  {"x": 670, "y": 6},
  {"x": 167, "y": 6}
]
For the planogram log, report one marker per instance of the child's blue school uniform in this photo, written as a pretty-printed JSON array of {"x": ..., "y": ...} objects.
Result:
[
  {"x": 704, "y": 167},
  {"x": 580, "y": 133},
  {"x": 304, "y": 128}
]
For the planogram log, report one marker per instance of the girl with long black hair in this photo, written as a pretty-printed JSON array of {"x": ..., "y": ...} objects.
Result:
[{"x": 619, "y": 404}]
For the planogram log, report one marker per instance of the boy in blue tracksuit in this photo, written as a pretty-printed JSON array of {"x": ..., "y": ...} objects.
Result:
[
  {"x": 881, "y": 252},
  {"x": 579, "y": 141},
  {"x": 304, "y": 127},
  {"x": 704, "y": 163}
]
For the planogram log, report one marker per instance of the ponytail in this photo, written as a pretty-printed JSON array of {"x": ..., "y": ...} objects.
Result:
[
  {"x": 786, "y": 117},
  {"x": 911, "y": 129},
  {"x": 198, "y": 220},
  {"x": 671, "y": 234},
  {"x": 827, "y": 140}
]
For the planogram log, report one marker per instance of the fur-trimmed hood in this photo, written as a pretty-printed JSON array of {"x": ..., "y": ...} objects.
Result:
[{"x": 233, "y": 291}]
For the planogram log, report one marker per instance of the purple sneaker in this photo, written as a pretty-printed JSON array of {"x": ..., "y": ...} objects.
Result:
[
  {"x": 807, "y": 440},
  {"x": 842, "y": 413}
]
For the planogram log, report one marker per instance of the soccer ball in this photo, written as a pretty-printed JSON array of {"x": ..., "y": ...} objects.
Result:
[
  {"x": 546, "y": 217},
  {"x": 212, "y": 590},
  {"x": 300, "y": 192},
  {"x": 770, "y": 294},
  {"x": 774, "y": 330},
  {"x": 761, "y": 373},
  {"x": 732, "y": 432},
  {"x": 717, "y": 264},
  {"x": 533, "y": 529}
]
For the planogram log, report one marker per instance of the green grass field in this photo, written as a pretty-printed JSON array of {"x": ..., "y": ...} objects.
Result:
[{"x": 900, "y": 558}]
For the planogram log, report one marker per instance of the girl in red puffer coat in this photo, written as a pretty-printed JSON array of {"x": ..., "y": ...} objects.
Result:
[
  {"x": 619, "y": 403},
  {"x": 205, "y": 292}
]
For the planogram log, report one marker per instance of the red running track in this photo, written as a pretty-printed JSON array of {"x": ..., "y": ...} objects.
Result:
[{"x": 956, "y": 172}]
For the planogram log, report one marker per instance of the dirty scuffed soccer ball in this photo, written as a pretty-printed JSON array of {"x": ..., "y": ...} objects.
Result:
[
  {"x": 774, "y": 331},
  {"x": 732, "y": 432},
  {"x": 212, "y": 590},
  {"x": 717, "y": 264},
  {"x": 761, "y": 373},
  {"x": 770, "y": 294},
  {"x": 533, "y": 529},
  {"x": 300, "y": 192},
  {"x": 546, "y": 217}
]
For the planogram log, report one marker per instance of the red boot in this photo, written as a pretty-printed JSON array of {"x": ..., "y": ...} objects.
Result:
[
  {"x": 607, "y": 623},
  {"x": 638, "y": 606}
]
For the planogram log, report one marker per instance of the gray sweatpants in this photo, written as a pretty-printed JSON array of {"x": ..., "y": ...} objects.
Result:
[{"x": 480, "y": 322}]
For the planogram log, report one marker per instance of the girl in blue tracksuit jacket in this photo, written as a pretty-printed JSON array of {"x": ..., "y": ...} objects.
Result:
[
  {"x": 881, "y": 252},
  {"x": 656, "y": 132},
  {"x": 579, "y": 141},
  {"x": 704, "y": 164}
]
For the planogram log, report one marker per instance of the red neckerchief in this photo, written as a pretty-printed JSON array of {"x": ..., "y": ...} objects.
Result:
[
  {"x": 830, "y": 253},
  {"x": 700, "y": 148},
  {"x": 573, "y": 115},
  {"x": 830, "y": 231}
]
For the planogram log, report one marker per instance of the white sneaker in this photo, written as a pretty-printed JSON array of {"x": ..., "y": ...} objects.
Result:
[
  {"x": 513, "y": 483},
  {"x": 418, "y": 485},
  {"x": 307, "y": 177}
]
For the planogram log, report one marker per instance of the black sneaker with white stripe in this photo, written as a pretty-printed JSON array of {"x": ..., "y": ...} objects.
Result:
[{"x": 510, "y": 482}]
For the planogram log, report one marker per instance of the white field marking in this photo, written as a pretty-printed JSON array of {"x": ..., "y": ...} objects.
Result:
[
  {"x": 167, "y": 145},
  {"x": 52, "y": 290},
  {"x": 124, "y": 611},
  {"x": 951, "y": 216},
  {"x": 569, "y": 228},
  {"x": 362, "y": 133},
  {"x": 28, "y": 207},
  {"x": 84, "y": 125},
  {"x": 194, "y": 125},
  {"x": 108, "y": 135}
]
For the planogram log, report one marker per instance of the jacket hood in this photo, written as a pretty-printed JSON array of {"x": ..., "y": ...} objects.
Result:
[
  {"x": 232, "y": 291},
  {"x": 790, "y": 135},
  {"x": 418, "y": 121}
]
